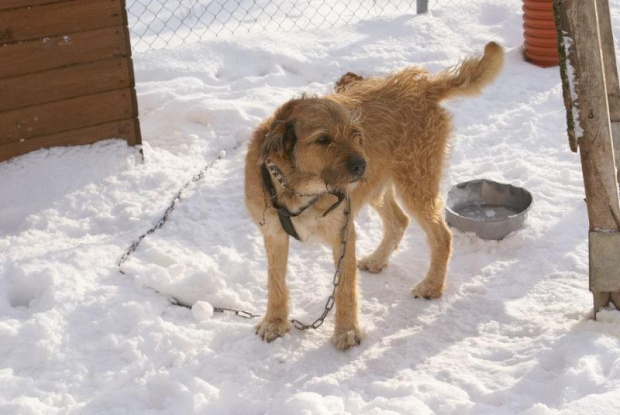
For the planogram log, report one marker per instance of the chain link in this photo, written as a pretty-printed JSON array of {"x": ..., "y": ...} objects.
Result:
[{"x": 242, "y": 313}]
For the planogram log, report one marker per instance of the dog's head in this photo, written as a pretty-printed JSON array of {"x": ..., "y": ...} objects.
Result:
[{"x": 319, "y": 139}]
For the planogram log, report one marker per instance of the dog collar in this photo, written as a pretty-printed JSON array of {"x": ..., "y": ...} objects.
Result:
[{"x": 284, "y": 214}]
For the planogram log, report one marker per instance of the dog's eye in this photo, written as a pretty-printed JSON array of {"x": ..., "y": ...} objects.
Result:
[
  {"x": 324, "y": 140},
  {"x": 358, "y": 136}
]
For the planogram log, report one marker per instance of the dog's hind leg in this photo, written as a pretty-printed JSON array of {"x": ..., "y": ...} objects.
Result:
[
  {"x": 440, "y": 241},
  {"x": 395, "y": 223},
  {"x": 275, "y": 322},
  {"x": 427, "y": 208}
]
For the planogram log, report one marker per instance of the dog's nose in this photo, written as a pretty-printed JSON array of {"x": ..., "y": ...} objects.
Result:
[{"x": 357, "y": 166}]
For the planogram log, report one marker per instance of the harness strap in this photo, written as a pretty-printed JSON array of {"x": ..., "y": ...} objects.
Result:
[
  {"x": 283, "y": 213},
  {"x": 285, "y": 220}
]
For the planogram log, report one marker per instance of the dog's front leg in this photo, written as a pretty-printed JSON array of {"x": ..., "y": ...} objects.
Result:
[
  {"x": 275, "y": 322},
  {"x": 347, "y": 331}
]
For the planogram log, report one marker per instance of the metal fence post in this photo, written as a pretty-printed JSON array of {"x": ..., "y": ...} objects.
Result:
[{"x": 421, "y": 6}]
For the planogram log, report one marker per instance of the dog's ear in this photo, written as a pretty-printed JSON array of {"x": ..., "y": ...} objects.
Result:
[{"x": 281, "y": 138}]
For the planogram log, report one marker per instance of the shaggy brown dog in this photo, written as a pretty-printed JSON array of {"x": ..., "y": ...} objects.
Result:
[{"x": 372, "y": 139}]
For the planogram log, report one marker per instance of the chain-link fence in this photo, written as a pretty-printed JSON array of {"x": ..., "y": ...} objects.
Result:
[{"x": 159, "y": 23}]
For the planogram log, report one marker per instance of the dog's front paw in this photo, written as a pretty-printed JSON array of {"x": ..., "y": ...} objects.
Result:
[
  {"x": 427, "y": 291},
  {"x": 271, "y": 329},
  {"x": 348, "y": 338},
  {"x": 372, "y": 264}
]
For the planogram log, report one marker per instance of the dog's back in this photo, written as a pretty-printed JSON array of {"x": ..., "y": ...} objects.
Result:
[
  {"x": 464, "y": 79},
  {"x": 401, "y": 112}
]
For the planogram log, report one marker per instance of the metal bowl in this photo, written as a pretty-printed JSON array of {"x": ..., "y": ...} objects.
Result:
[{"x": 489, "y": 209}]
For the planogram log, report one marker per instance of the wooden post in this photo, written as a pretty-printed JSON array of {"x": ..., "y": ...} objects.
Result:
[
  {"x": 584, "y": 87},
  {"x": 611, "y": 75},
  {"x": 421, "y": 6}
]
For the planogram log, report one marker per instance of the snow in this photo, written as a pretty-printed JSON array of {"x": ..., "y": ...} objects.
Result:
[
  {"x": 513, "y": 333},
  {"x": 573, "y": 86},
  {"x": 201, "y": 310},
  {"x": 158, "y": 23}
]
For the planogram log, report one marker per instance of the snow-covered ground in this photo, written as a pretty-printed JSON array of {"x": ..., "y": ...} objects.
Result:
[{"x": 512, "y": 335}]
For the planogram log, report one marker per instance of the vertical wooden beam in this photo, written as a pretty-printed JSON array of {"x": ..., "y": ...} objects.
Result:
[
  {"x": 132, "y": 77},
  {"x": 582, "y": 62},
  {"x": 611, "y": 75},
  {"x": 613, "y": 98}
]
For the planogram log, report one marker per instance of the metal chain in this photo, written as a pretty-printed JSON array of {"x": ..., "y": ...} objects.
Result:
[
  {"x": 242, "y": 313},
  {"x": 159, "y": 224},
  {"x": 277, "y": 173},
  {"x": 166, "y": 215},
  {"x": 337, "y": 275}
]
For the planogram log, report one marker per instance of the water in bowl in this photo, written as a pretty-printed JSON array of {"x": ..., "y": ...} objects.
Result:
[{"x": 486, "y": 212}]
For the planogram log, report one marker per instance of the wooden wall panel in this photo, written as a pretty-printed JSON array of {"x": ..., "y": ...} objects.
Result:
[
  {"x": 126, "y": 129},
  {"x": 14, "y": 4},
  {"x": 69, "y": 82},
  {"x": 63, "y": 18},
  {"x": 55, "y": 52},
  {"x": 66, "y": 115}
]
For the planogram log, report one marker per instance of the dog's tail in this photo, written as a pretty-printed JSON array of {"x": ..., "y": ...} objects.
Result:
[{"x": 468, "y": 77}]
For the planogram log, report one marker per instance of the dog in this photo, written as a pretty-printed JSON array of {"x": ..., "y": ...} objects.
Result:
[{"x": 371, "y": 140}]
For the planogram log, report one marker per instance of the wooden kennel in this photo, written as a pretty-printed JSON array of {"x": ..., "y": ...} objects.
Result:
[{"x": 66, "y": 74}]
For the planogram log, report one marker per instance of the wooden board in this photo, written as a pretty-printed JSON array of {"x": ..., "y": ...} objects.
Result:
[
  {"x": 578, "y": 21},
  {"x": 14, "y": 4},
  {"x": 56, "y": 19},
  {"x": 124, "y": 129},
  {"x": 611, "y": 75},
  {"x": 55, "y": 52},
  {"x": 67, "y": 115},
  {"x": 70, "y": 82},
  {"x": 604, "y": 249}
]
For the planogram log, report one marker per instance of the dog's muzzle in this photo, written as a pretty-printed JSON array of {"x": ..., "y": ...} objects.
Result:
[{"x": 356, "y": 166}]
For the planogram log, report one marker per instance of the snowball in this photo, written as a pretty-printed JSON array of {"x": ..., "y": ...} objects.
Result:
[{"x": 202, "y": 310}]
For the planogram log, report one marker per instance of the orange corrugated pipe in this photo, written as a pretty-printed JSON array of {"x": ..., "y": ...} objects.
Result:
[{"x": 541, "y": 39}]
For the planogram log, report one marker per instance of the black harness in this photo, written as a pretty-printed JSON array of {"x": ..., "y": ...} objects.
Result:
[{"x": 284, "y": 214}]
